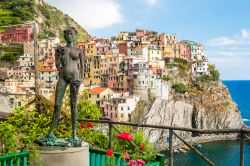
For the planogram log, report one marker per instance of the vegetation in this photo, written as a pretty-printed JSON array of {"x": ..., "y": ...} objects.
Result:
[
  {"x": 25, "y": 125},
  {"x": 181, "y": 61},
  {"x": 16, "y": 12},
  {"x": 146, "y": 153},
  {"x": 170, "y": 65},
  {"x": 213, "y": 76},
  {"x": 179, "y": 88},
  {"x": 10, "y": 52},
  {"x": 167, "y": 78}
]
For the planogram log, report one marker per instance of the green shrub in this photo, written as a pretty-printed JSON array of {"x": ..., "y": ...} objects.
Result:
[
  {"x": 148, "y": 153},
  {"x": 213, "y": 76},
  {"x": 166, "y": 78},
  {"x": 179, "y": 88},
  {"x": 181, "y": 60},
  {"x": 170, "y": 65}
]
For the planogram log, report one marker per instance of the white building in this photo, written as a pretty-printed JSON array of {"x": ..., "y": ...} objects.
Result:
[
  {"x": 47, "y": 47},
  {"x": 119, "y": 108},
  {"x": 26, "y": 60},
  {"x": 200, "y": 67},
  {"x": 154, "y": 54}
]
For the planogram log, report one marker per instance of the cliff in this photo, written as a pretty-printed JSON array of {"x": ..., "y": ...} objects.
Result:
[{"x": 200, "y": 106}]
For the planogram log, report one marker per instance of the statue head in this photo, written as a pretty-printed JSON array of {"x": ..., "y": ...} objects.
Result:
[{"x": 70, "y": 34}]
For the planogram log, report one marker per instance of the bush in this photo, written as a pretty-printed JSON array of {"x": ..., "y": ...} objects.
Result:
[
  {"x": 214, "y": 75},
  {"x": 166, "y": 78},
  {"x": 179, "y": 88},
  {"x": 180, "y": 60},
  {"x": 148, "y": 152}
]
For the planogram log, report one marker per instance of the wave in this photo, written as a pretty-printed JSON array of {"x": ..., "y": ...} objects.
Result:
[{"x": 246, "y": 120}]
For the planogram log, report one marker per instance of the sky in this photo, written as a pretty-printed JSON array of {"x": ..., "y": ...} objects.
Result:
[{"x": 222, "y": 26}]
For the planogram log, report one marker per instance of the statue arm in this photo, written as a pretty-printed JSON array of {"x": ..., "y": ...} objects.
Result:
[
  {"x": 81, "y": 64},
  {"x": 58, "y": 60}
]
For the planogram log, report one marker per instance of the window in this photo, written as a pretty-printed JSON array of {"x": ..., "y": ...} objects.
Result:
[
  {"x": 128, "y": 108},
  {"x": 122, "y": 108},
  {"x": 122, "y": 115}
]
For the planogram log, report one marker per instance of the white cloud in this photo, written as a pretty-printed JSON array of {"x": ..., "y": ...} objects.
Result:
[
  {"x": 94, "y": 14},
  {"x": 151, "y": 2},
  {"x": 222, "y": 41},
  {"x": 245, "y": 33},
  {"x": 241, "y": 38},
  {"x": 232, "y": 68}
]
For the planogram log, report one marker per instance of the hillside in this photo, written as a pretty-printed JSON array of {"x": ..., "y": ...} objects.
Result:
[
  {"x": 51, "y": 21},
  {"x": 194, "y": 102}
]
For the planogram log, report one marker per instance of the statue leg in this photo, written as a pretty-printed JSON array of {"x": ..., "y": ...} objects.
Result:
[
  {"x": 74, "y": 89},
  {"x": 60, "y": 91}
]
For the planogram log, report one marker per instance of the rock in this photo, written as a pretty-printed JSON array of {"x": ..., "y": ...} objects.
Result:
[{"x": 213, "y": 109}]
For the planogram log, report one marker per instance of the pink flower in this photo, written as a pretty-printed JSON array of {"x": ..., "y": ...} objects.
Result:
[
  {"x": 109, "y": 152},
  {"x": 132, "y": 163},
  {"x": 140, "y": 162}
]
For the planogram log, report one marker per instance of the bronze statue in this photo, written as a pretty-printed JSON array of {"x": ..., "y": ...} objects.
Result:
[{"x": 70, "y": 64}]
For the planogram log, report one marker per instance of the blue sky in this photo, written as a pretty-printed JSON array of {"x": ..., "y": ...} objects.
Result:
[{"x": 223, "y": 26}]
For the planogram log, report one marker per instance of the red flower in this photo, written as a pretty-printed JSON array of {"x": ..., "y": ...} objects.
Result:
[
  {"x": 82, "y": 126},
  {"x": 109, "y": 152},
  {"x": 132, "y": 163},
  {"x": 90, "y": 125},
  {"x": 125, "y": 136},
  {"x": 140, "y": 162},
  {"x": 142, "y": 147}
]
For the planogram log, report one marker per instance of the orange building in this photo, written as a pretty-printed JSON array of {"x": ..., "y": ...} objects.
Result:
[{"x": 91, "y": 64}]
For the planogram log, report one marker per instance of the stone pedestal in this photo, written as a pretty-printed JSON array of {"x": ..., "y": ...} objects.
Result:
[{"x": 65, "y": 156}]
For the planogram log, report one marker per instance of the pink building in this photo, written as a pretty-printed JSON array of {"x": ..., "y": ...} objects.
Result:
[
  {"x": 18, "y": 35},
  {"x": 103, "y": 48}
]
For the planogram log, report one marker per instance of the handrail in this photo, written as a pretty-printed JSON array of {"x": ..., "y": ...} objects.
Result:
[
  {"x": 239, "y": 130},
  {"x": 7, "y": 157}
]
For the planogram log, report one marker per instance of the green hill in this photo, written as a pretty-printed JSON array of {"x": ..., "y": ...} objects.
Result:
[{"x": 51, "y": 21}]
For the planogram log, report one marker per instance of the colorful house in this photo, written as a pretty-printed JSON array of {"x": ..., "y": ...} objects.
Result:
[{"x": 17, "y": 35}]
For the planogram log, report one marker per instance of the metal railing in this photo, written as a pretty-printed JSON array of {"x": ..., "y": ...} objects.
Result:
[
  {"x": 19, "y": 159},
  {"x": 242, "y": 136}
]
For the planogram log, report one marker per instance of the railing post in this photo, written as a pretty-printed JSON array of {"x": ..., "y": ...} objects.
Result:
[
  {"x": 241, "y": 148},
  {"x": 171, "y": 147},
  {"x": 110, "y": 135},
  {"x": 161, "y": 159}
]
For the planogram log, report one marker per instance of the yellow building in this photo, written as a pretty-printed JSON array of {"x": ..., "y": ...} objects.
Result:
[{"x": 91, "y": 64}]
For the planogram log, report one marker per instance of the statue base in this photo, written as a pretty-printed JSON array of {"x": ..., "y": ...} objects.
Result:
[{"x": 65, "y": 156}]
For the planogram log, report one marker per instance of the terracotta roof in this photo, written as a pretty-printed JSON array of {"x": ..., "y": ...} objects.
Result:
[
  {"x": 50, "y": 61},
  {"x": 97, "y": 90},
  {"x": 47, "y": 70}
]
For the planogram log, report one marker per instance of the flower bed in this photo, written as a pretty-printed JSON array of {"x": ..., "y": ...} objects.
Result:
[{"x": 100, "y": 157}]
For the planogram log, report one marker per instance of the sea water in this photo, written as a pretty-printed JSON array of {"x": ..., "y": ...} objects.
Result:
[{"x": 223, "y": 153}]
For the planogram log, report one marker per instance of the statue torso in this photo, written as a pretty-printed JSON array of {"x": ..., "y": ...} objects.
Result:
[{"x": 70, "y": 64}]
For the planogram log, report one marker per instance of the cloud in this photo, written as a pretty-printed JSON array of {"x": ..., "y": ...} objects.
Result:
[
  {"x": 242, "y": 38},
  {"x": 151, "y": 2},
  {"x": 245, "y": 33},
  {"x": 222, "y": 41},
  {"x": 232, "y": 68},
  {"x": 94, "y": 14},
  {"x": 231, "y": 54}
]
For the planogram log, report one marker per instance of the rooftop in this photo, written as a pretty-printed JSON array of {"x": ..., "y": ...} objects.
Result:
[{"x": 97, "y": 90}]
